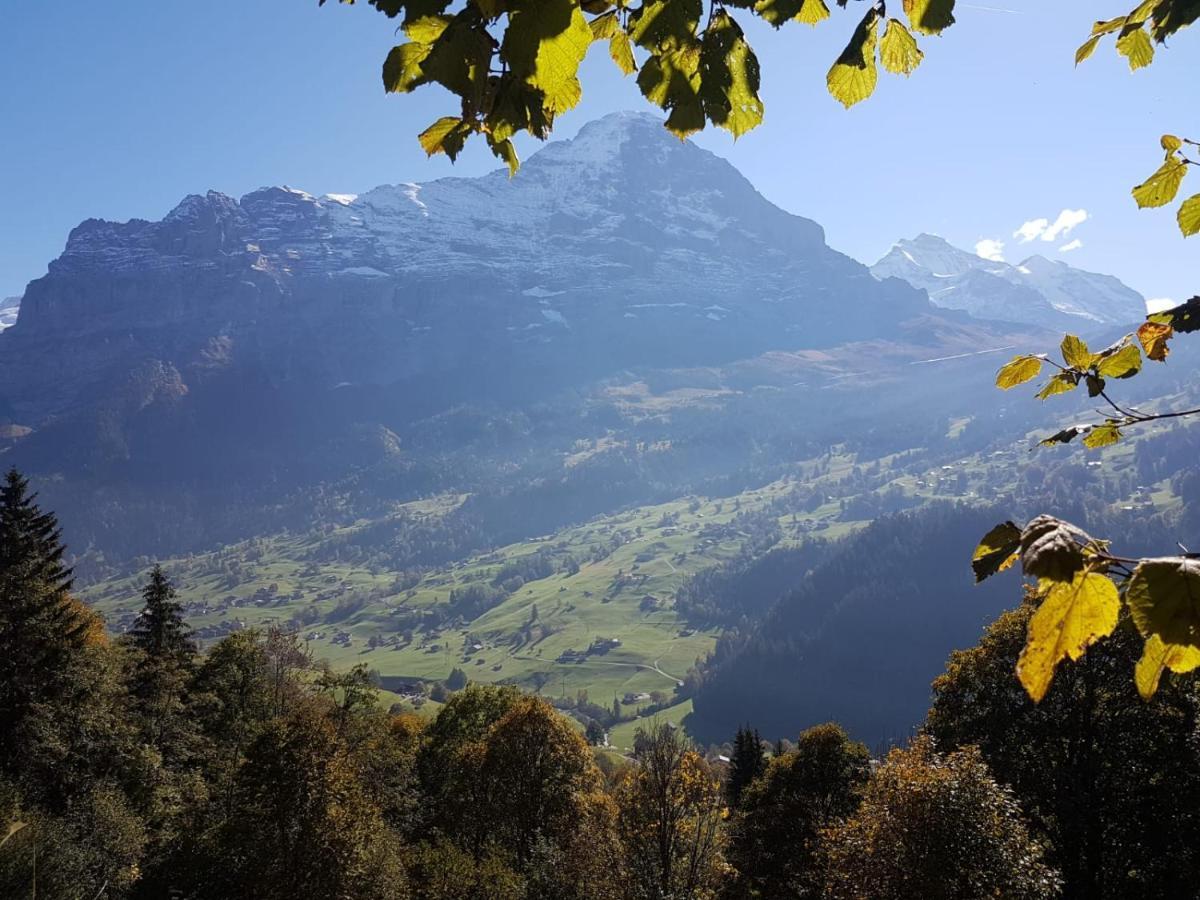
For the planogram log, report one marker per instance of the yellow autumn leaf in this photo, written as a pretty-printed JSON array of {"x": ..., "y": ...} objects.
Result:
[
  {"x": 898, "y": 50},
  {"x": 1157, "y": 657},
  {"x": 1018, "y": 370},
  {"x": 1073, "y": 615}
]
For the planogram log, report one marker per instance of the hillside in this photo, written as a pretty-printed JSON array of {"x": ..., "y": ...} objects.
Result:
[{"x": 280, "y": 360}]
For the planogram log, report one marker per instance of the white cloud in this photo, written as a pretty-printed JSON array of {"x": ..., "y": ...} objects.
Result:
[
  {"x": 1067, "y": 220},
  {"x": 990, "y": 249},
  {"x": 1070, "y": 245},
  {"x": 1031, "y": 229},
  {"x": 1158, "y": 304},
  {"x": 1051, "y": 231}
]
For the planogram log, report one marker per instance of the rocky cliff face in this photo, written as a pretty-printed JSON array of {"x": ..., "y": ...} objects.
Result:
[{"x": 621, "y": 247}]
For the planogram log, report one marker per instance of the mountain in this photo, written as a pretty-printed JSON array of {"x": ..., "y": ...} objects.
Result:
[
  {"x": 215, "y": 374},
  {"x": 8, "y": 311},
  {"x": 616, "y": 248},
  {"x": 1037, "y": 291}
]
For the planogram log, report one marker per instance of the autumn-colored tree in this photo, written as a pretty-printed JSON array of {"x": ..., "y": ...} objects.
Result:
[
  {"x": 232, "y": 698},
  {"x": 465, "y": 719},
  {"x": 529, "y": 792},
  {"x": 442, "y": 870},
  {"x": 671, "y": 814},
  {"x": 938, "y": 827},
  {"x": 306, "y": 826},
  {"x": 91, "y": 850},
  {"x": 1112, "y": 781},
  {"x": 774, "y": 840}
]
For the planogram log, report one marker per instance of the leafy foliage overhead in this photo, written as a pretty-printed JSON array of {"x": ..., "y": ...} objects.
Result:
[
  {"x": 514, "y": 64},
  {"x": 1080, "y": 602},
  {"x": 1121, "y": 360}
]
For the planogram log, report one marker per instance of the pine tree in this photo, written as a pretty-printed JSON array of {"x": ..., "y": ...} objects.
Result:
[
  {"x": 160, "y": 630},
  {"x": 43, "y": 630},
  {"x": 161, "y": 670},
  {"x": 30, "y": 540},
  {"x": 747, "y": 763}
]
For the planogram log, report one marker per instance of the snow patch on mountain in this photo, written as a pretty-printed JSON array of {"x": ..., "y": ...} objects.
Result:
[{"x": 8, "y": 311}]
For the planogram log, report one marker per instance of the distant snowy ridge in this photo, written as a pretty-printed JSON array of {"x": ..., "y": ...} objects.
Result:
[{"x": 1037, "y": 291}]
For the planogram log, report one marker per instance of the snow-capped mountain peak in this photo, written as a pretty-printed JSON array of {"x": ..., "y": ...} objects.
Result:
[{"x": 1037, "y": 290}]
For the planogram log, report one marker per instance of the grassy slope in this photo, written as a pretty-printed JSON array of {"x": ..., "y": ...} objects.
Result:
[{"x": 656, "y": 647}]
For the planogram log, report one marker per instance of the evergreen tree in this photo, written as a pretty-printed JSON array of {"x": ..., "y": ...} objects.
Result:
[
  {"x": 164, "y": 661},
  {"x": 160, "y": 630},
  {"x": 746, "y": 764},
  {"x": 30, "y": 540},
  {"x": 42, "y": 628}
]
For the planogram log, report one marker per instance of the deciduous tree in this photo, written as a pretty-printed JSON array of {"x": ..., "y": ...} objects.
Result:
[{"x": 938, "y": 827}]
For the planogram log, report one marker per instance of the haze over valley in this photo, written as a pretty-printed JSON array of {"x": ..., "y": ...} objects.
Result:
[{"x": 548, "y": 429}]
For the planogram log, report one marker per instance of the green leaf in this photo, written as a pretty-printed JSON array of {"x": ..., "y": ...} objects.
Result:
[
  {"x": 853, "y": 77},
  {"x": 1161, "y": 187},
  {"x": 1102, "y": 436},
  {"x": 1086, "y": 49},
  {"x": 1170, "y": 143},
  {"x": 1095, "y": 385},
  {"x": 1073, "y": 616},
  {"x": 1157, "y": 657},
  {"x": 812, "y": 12},
  {"x": 997, "y": 551},
  {"x": 544, "y": 44},
  {"x": 1018, "y": 370},
  {"x": 777, "y": 12},
  {"x": 621, "y": 51},
  {"x": 506, "y": 153},
  {"x": 1075, "y": 352},
  {"x": 1134, "y": 44},
  {"x": 1121, "y": 361},
  {"x": 1108, "y": 26},
  {"x": 426, "y": 29},
  {"x": 929, "y": 16},
  {"x": 1154, "y": 337},
  {"x": 669, "y": 24},
  {"x": 1189, "y": 216},
  {"x": 446, "y": 135},
  {"x": 1052, "y": 549},
  {"x": 898, "y": 50},
  {"x": 459, "y": 60},
  {"x": 729, "y": 76},
  {"x": 1062, "y": 383},
  {"x": 1164, "y": 599},
  {"x": 402, "y": 68},
  {"x": 608, "y": 27},
  {"x": 671, "y": 80}
]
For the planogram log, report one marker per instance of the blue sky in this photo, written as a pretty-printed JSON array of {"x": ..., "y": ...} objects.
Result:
[{"x": 118, "y": 110}]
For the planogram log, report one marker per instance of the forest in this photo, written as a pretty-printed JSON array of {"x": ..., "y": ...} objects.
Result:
[{"x": 139, "y": 766}]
